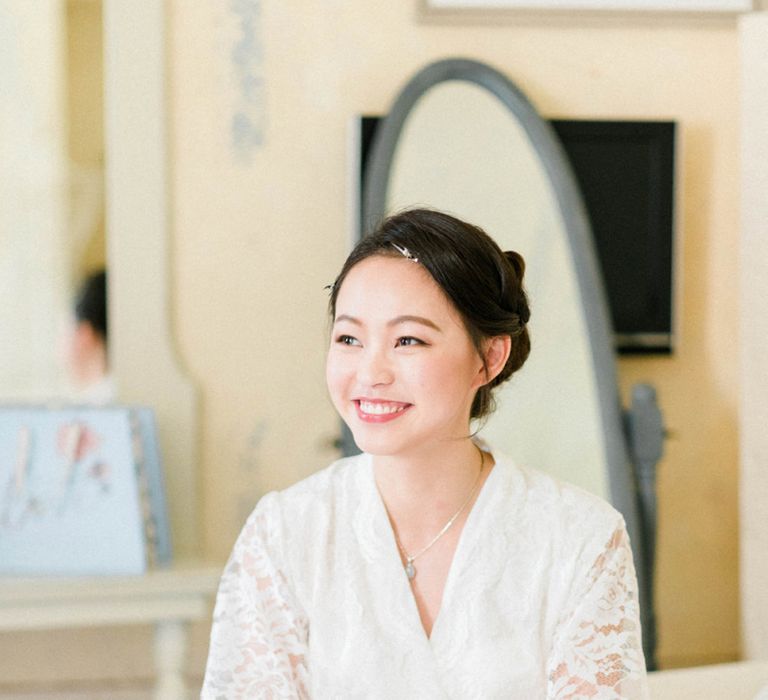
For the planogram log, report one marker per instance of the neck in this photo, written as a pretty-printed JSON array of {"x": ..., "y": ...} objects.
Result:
[{"x": 426, "y": 488}]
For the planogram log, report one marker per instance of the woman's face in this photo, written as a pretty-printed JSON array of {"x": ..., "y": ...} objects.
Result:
[{"x": 402, "y": 370}]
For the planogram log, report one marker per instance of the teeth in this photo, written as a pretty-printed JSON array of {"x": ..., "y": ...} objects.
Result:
[{"x": 380, "y": 409}]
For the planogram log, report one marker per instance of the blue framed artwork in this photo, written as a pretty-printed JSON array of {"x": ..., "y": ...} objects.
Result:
[{"x": 81, "y": 491}]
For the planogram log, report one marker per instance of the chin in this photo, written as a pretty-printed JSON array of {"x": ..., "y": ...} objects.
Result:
[{"x": 379, "y": 445}]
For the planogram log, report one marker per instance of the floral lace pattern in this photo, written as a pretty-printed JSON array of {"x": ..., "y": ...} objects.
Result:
[
  {"x": 598, "y": 651},
  {"x": 540, "y": 600},
  {"x": 259, "y": 634}
]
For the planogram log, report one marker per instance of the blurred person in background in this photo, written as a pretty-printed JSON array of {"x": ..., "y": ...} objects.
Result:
[{"x": 86, "y": 351}]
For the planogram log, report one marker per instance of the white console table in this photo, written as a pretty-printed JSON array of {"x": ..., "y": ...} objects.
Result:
[{"x": 169, "y": 599}]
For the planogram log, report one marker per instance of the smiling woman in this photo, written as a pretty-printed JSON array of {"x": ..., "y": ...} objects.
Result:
[
  {"x": 390, "y": 366},
  {"x": 433, "y": 338},
  {"x": 430, "y": 565}
]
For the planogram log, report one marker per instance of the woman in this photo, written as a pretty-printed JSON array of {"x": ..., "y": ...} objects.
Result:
[{"x": 428, "y": 566}]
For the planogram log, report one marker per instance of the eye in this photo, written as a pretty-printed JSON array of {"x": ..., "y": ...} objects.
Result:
[
  {"x": 347, "y": 340},
  {"x": 409, "y": 340}
]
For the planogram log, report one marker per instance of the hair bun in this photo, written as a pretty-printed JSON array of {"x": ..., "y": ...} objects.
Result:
[
  {"x": 518, "y": 265},
  {"x": 517, "y": 262}
]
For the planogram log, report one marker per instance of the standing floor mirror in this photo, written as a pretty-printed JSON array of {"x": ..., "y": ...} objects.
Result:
[{"x": 462, "y": 138}]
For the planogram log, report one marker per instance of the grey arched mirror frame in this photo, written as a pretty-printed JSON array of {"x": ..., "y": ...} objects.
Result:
[{"x": 621, "y": 476}]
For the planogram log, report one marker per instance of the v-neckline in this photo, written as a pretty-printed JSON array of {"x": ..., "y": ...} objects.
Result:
[{"x": 468, "y": 531}]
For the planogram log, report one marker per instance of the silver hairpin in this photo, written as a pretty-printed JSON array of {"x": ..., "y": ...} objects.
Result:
[{"x": 405, "y": 252}]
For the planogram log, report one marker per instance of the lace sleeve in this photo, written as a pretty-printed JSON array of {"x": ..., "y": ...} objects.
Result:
[
  {"x": 597, "y": 652},
  {"x": 259, "y": 635}
]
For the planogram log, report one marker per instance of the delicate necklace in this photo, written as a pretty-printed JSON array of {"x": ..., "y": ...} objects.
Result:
[{"x": 410, "y": 569}]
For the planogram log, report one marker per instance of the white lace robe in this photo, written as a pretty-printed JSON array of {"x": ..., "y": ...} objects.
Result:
[{"x": 540, "y": 601}]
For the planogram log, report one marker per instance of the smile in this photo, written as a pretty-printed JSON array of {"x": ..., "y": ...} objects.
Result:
[{"x": 380, "y": 411}]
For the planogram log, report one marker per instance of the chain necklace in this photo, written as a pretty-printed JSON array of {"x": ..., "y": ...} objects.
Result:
[{"x": 410, "y": 569}]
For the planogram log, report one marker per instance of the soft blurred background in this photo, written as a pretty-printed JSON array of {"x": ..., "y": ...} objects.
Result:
[{"x": 261, "y": 99}]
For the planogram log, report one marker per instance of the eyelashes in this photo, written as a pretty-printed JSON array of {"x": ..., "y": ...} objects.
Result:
[
  {"x": 409, "y": 340},
  {"x": 405, "y": 341}
]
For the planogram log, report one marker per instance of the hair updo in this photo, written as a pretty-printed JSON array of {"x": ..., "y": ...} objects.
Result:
[{"x": 484, "y": 284}]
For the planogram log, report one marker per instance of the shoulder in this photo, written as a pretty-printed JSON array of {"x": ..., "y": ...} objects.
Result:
[
  {"x": 542, "y": 490},
  {"x": 548, "y": 492},
  {"x": 296, "y": 528},
  {"x": 566, "y": 517},
  {"x": 306, "y": 505},
  {"x": 322, "y": 488}
]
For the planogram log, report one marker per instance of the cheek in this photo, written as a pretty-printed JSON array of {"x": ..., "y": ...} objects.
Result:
[
  {"x": 455, "y": 371},
  {"x": 336, "y": 372}
]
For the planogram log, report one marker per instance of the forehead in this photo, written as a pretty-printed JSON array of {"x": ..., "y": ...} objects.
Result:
[{"x": 388, "y": 286}]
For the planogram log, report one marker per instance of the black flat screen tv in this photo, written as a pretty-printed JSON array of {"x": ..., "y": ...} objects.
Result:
[{"x": 626, "y": 173}]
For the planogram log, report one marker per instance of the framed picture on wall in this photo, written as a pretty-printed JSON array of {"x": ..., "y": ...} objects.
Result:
[
  {"x": 701, "y": 7},
  {"x": 81, "y": 491}
]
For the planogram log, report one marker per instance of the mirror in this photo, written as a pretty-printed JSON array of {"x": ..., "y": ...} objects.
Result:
[
  {"x": 494, "y": 152},
  {"x": 51, "y": 185},
  {"x": 462, "y": 138},
  {"x": 49, "y": 54}
]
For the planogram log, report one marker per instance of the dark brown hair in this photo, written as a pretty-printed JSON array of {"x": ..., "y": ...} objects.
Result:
[
  {"x": 483, "y": 283},
  {"x": 91, "y": 303}
]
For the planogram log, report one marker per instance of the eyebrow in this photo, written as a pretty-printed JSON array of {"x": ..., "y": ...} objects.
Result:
[{"x": 407, "y": 318}]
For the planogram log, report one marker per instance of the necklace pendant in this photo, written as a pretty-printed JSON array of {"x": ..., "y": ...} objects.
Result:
[{"x": 410, "y": 570}]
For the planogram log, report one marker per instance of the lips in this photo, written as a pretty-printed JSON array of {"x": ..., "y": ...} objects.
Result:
[{"x": 378, "y": 411}]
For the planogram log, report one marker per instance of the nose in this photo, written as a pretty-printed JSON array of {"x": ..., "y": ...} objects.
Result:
[{"x": 375, "y": 368}]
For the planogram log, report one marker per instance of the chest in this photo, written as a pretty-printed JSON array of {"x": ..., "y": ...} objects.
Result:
[
  {"x": 428, "y": 572},
  {"x": 366, "y": 637},
  {"x": 362, "y": 649}
]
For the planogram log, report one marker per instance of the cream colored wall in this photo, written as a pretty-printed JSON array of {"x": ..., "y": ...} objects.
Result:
[
  {"x": 254, "y": 245},
  {"x": 754, "y": 334},
  {"x": 697, "y": 576}
]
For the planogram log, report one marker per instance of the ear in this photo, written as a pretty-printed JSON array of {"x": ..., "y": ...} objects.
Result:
[{"x": 497, "y": 351}]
